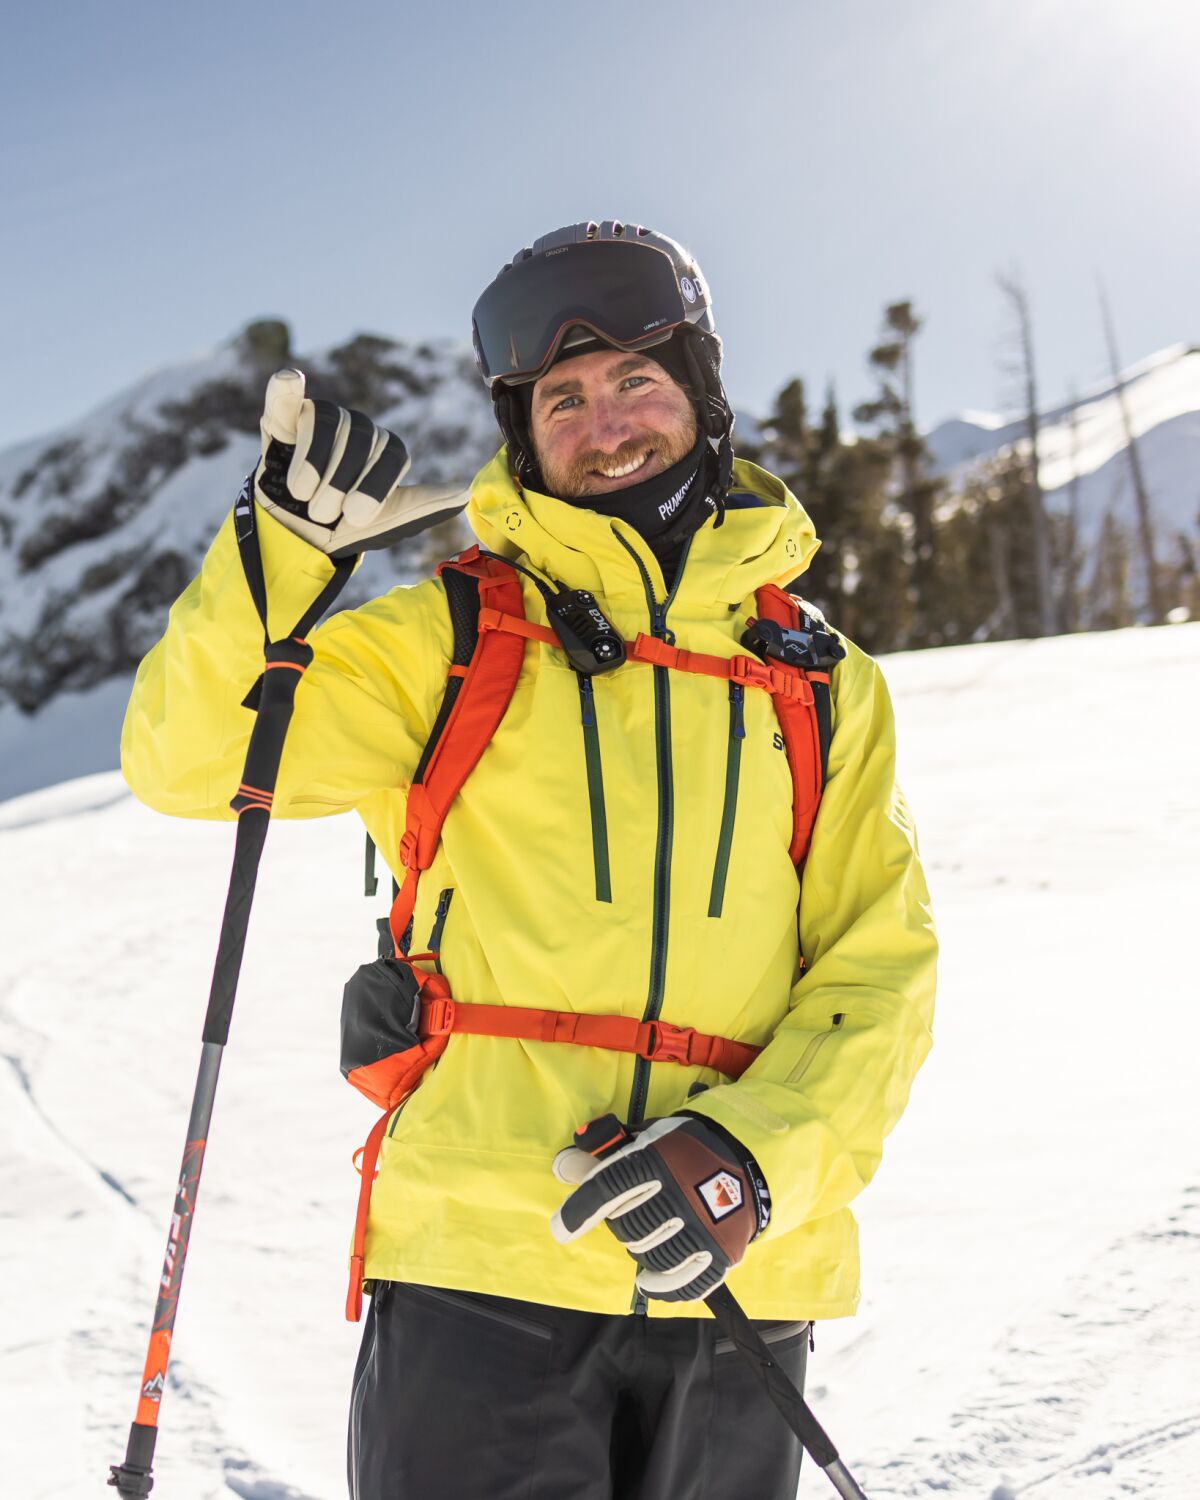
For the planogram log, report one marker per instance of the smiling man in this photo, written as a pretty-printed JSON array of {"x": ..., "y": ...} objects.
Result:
[{"x": 662, "y": 962}]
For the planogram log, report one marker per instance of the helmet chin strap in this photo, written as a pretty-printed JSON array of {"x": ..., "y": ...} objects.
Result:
[{"x": 702, "y": 357}]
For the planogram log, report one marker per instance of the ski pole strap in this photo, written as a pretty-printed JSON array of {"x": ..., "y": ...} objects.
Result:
[
  {"x": 796, "y": 1412},
  {"x": 657, "y": 1041}
]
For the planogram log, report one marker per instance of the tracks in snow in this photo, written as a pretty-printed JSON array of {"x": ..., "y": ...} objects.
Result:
[{"x": 1072, "y": 1406}]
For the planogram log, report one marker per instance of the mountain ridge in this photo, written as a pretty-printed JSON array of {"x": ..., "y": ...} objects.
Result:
[{"x": 103, "y": 521}]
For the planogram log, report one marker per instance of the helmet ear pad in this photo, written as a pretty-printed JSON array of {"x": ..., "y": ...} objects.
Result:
[
  {"x": 511, "y": 405},
  {"x": 701, "y": 357}
]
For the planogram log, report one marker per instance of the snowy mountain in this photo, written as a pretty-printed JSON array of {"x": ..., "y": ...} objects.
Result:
[
  {"x": 1031, "y": 1316},
  {"x": 1088, "y": 444},
  {"x": 104, "y": 522}
]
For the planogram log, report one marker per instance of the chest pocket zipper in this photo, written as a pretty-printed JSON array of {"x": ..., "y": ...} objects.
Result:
[
  {"x": 434, "y": 945},
  {"x": 733, "y": 767},
  {"x": 595, "y": 781}
]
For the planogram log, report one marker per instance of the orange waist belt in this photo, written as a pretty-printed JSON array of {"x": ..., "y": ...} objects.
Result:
[{"x": 656, "y": 1041}]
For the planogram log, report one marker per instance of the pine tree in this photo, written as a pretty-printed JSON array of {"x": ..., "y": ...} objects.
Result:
[
  {"x": 891, "y": 413},
  {"x": 859, "y": 577},
  {"x": 1108, "y": 603}
]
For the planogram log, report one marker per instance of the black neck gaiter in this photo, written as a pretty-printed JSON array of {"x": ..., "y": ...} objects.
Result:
[{"x": 665, "y": 509}]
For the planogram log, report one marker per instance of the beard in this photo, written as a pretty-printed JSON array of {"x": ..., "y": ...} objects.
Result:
[{"x": 577, "y": 478}]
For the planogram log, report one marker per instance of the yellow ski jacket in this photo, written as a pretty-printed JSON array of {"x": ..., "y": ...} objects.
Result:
[{"x": 465, "y": 1191}]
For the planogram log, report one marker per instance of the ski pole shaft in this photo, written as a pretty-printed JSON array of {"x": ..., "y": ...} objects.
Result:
[
  {"x": 132, "y": 1479},
  {"x": 796, "y": 1412},
  {"x": 290, "y": 656}
]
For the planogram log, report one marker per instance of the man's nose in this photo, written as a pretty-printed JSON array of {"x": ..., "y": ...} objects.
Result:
[{"x": 611, "y": 425}]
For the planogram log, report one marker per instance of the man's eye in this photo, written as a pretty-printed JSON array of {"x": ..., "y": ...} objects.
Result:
[
  {"x": 637, "y": 380},
  {"x": 564, "y": 404}
]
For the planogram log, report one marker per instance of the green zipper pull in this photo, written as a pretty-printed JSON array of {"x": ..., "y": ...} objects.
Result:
[
  {"x": 439, "y": 922},
  {"x": 587, "y": 701},
  {"x": 737, "y": 697},
  {"x": 439, "y": 917}
]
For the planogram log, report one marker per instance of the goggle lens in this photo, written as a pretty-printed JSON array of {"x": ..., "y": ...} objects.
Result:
[{"x": 626, "y": 293}]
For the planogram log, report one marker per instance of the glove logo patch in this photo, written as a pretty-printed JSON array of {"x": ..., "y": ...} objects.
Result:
[{"x": 722, "y": 1195}]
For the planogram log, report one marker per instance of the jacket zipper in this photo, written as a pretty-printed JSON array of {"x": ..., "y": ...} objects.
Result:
[
  {"x": 595, "y": 780},
  {"x": 733, "y": 766},
  {"x": 434, "y": 945},
  {"x": 666, "y": 832}
]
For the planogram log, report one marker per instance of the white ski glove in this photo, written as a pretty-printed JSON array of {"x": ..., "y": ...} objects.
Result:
[{"x": 333, "y": 477}]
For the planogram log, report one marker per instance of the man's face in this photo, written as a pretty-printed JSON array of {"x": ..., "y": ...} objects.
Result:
[{"x": 603, "y": 421}]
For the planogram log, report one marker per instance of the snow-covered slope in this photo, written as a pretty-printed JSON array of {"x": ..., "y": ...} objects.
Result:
[
  {"x": 1031, "y": 1317},
  {"x": 1163, "y": 394}
]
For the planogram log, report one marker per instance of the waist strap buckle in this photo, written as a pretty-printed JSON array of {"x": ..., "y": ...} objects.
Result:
[{"x": 437, "y": 1017}]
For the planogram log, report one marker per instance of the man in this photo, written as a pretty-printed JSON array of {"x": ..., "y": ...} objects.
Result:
[{"x": 629, "y": 845}]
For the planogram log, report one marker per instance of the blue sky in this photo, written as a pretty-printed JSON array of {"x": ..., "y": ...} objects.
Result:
[{"x": 168, "y": 172}]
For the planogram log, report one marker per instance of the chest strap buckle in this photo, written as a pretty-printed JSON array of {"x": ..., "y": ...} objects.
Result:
[{"x": 669, "y": 1043}]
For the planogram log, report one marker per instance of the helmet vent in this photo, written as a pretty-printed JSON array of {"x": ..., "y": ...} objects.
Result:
[
  {"x": 618, "y": 229},
  {"x": 593, "y": 229}
]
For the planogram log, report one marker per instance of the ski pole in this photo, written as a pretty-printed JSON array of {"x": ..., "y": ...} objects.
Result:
[
  {"x": 796, "y": 1412},
  {"x": 274, "y": 698}
]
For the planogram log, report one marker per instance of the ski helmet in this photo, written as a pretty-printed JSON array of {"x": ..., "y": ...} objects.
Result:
[{"x": 620, "y": 285}]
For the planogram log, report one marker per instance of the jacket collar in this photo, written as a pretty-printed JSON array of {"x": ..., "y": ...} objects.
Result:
[{"x": 767, "y": 538}]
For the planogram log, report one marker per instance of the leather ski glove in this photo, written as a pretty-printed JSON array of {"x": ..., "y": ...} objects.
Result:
[
  {"x": 333, "y": 477},
  {"x": 681, "y": 1194}
]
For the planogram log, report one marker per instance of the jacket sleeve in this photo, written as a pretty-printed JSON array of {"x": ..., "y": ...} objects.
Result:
[
  {"x": 363, "y": 709},
  {"x": 815, "y": 1106}
]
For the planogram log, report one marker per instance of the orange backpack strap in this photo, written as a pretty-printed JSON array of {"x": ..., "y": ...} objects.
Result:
[
  {"x": 482, "y": 678},
  {"x": 805, "y": 718},
  {"x": 657, "y": 1041}
]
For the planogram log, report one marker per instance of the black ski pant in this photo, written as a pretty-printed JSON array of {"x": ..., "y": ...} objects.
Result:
[{"x": 461, "y": 1396}]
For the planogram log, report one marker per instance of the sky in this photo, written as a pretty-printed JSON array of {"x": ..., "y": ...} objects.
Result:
[{"x": 170, "y": 172}]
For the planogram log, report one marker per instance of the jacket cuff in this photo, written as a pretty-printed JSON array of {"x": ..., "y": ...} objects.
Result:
[{"x": 744, "y": 1159}]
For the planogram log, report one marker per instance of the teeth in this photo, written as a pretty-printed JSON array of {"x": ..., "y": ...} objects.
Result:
[{"x": 625, "y": 468}]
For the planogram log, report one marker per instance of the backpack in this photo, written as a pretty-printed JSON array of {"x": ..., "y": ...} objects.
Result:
[{"x": 396, "y": 1018}]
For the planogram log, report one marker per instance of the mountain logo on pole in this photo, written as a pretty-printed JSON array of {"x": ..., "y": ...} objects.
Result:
[{"x": 722, "y": 1194}]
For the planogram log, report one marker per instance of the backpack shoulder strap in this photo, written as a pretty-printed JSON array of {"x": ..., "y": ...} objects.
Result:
[
  {"x": 806, "y": 725},
  {"x": 480, "y": 683}
]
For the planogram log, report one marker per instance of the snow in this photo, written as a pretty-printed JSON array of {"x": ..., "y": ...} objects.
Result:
[
  {"x": 1163, "y": 397},
  {"x": 1030, "y": 1324}
]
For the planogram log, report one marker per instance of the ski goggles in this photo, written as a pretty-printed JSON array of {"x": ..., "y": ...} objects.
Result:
[{"x": 625, "y": 293}]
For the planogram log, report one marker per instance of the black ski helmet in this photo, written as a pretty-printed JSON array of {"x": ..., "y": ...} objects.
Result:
[{"x": 617, "y": 284}]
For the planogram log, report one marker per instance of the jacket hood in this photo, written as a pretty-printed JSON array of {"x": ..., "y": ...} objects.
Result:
[{"x": 767, "y": 537}]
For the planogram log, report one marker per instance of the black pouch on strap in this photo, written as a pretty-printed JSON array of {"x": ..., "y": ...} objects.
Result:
[{"x": 383, "y": 1055}]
